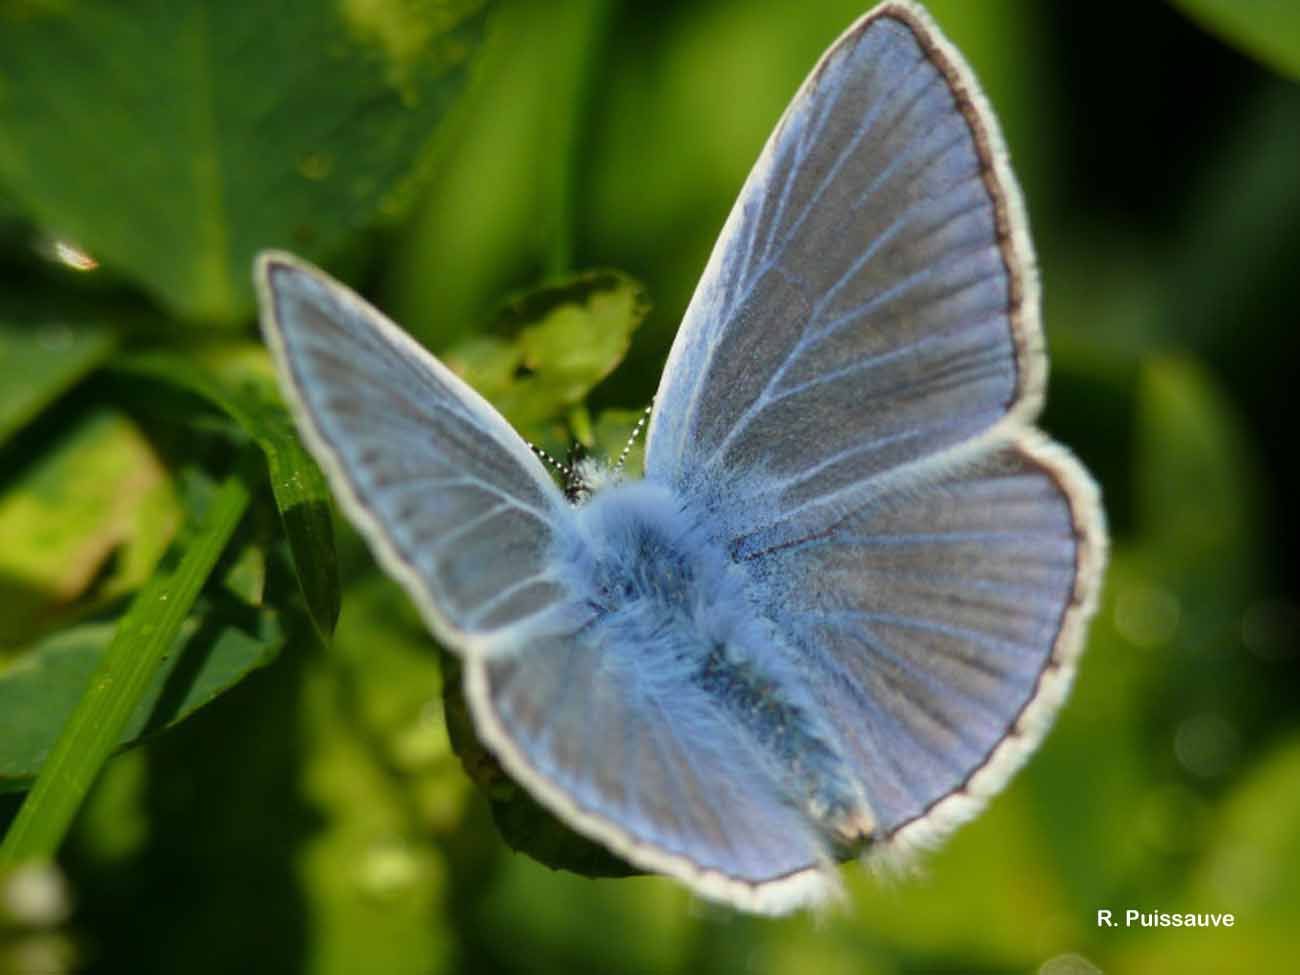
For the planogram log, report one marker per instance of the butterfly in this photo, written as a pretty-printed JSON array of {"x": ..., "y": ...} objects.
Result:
[{"x": 846, "y": 599}]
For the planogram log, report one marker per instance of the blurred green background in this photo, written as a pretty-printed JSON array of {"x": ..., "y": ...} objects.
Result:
[{"x": 452, "y": 158}]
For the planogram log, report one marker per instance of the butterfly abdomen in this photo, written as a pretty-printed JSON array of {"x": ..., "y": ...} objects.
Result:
[{"x": 678, "y": 616}]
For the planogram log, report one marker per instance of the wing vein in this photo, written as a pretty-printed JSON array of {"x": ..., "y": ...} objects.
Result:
[
  {"x": 867, "y": 124},
  {"x": 810, "y": 338},
  {"x": 485, "y": 609}
]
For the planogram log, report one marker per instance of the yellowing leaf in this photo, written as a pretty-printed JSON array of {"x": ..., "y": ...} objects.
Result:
[{"x": 98, "y": 490}]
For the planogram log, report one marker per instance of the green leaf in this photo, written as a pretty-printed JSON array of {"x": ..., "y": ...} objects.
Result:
[
  {"x": 301, "y": 493},
  {"x": 570, "y": 335},
  {"x": 1108, "y": 714},
  {"x": 1267, "y": 30},
  {"x": 108, "y": 701},
  {"x": 92, "y": 513},
  {"x": 39, "y": 362},
  {"x": 215, "y": 649},
  {"x": 175, "y": 140}
]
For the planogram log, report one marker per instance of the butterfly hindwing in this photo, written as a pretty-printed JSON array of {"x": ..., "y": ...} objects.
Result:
[
  {"x": 644, "y": 761},
  {"x": 940, "y": 625}
]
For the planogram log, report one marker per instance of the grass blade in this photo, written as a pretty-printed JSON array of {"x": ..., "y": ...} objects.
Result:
[{"x": 146, "y": 631}]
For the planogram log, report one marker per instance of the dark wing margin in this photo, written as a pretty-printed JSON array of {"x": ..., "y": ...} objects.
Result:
[{"x": 942, "y": 624}]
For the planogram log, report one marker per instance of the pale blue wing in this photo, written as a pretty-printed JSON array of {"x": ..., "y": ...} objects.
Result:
[
  {"x": 661, "y": 713},
  {"x": 939, "y": 623},
  {"x": 871, "y": 301},
  {"x": 450, "y": 497},
  {"x": 621, "y": 742}
]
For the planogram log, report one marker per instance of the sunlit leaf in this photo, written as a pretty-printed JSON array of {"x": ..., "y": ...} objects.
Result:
[
  {"x": 97, "y": 493},
  {"x": 553, "y": 345},
  {"x": 1249, "y": 863},
  {"x": 228, "y": 127}
]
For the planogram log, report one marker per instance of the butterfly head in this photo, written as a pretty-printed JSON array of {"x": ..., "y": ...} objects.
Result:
[
  {"x": 589, "y": 475},
  {"x": 582, "y": 475}
]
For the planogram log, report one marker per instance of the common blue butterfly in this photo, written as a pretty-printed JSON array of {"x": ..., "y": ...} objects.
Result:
[{"x": 846, "y": 600}]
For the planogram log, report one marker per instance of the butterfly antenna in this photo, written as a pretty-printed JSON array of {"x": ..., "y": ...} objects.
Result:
[
  {"x": 636, "y": 432},
  {"x": 563, "y": 470}
]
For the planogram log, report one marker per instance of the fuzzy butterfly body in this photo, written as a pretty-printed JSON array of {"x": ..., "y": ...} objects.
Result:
[{"x": 846, "y": 600}]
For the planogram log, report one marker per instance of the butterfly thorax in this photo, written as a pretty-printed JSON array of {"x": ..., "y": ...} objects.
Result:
[{"x": 677, "y": 615}]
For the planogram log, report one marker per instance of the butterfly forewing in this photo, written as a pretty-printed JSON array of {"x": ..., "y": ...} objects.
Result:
[
  {"x": 865, "y": 307},
  {"x": 448, "y": 493}
]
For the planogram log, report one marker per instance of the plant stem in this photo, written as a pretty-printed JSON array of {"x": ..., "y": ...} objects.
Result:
[{"x": 138, "y": 649}]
